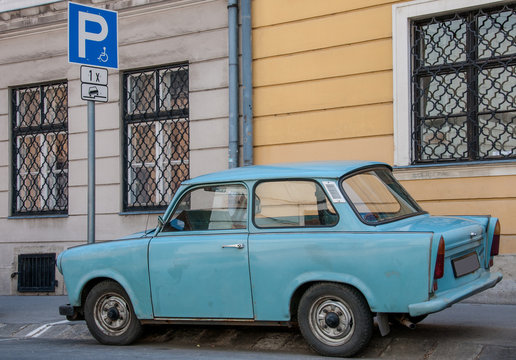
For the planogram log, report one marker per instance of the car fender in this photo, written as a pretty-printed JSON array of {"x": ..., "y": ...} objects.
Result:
[
  {"x": 323, "y": 276},
  {"x": 140, "y": 309},
  {"x": 122, "y": 261}
]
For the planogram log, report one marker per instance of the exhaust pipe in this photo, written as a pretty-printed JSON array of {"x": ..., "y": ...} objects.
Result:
[{"x": 403, "y": 320}]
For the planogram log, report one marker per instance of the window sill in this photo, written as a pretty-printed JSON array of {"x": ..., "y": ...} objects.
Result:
[
  {"x": 141, "y": 212},
  {"x": 462, "y": 170},
  {"x": 49, "y": 216}
]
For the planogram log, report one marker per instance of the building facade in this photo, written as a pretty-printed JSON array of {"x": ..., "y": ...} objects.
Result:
[
  {"x": 427, "y": 86},
  {"x": 165, "y": 121},
  {"x": 326, "y": 87}
]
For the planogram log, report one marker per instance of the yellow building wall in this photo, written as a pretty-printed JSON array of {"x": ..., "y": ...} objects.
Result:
[{"x": 322, "y": 77}]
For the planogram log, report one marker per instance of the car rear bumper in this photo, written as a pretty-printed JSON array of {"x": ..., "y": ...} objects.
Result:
[{"x": 448, "y": 298}]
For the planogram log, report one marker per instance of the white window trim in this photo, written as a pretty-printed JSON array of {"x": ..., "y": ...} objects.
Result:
[{"x": 402, "y": 15}]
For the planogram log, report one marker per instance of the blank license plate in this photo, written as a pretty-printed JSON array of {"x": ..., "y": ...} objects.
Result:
[{"x": 465, "y": 264}]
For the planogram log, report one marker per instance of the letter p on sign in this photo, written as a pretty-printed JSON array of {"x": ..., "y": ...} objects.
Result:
[
  {"x": 85, "y": 35},
  {"x": 92, "y": 36}
]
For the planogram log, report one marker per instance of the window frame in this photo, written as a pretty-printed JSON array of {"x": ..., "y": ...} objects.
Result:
[
  {"x": 472, "y": 68},
  {"x": 40, "y": 133},
  {"x": 402, "y": 16},
  {"x": 132, "y": 117},
  {"x": 316, "y": 181}
]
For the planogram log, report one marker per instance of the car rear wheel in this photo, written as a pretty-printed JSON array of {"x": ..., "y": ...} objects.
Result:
[
  {"x": 110, "y": 316},
  {"x": 335, "y": 320}
]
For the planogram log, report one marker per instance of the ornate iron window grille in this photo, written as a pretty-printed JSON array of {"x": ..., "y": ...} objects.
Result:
[
  {"x": 464, "y": 86},
  {"x": 156, "y": 135},
  {"x": 40, "y": 149}
]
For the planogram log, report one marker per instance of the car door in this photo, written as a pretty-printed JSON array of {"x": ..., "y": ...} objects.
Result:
[{"x": 198, "y": 263}]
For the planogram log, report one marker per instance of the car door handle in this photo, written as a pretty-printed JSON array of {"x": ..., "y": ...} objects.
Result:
[{"x": 236, "y": 246}]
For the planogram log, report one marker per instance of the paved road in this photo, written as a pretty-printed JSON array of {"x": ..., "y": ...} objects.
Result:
[
  {"x": 30, "y": 309},
  {"x": 465, "y": 331}
]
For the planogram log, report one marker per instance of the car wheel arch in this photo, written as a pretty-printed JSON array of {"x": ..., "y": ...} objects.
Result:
[
  {"x": 301, "y": 289},
  {"x": 90, "y": 284}
]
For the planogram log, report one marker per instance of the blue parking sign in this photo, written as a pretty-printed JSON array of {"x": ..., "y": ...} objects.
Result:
[{"x": 92, "y": 36}]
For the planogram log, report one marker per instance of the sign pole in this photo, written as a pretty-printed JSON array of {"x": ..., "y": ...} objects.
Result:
[
  {"x": 93, "y": 43},
  {"x": 91, "y": 171}
]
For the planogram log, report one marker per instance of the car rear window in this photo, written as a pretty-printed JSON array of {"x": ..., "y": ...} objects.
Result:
[{"x": 377, "y": 197}]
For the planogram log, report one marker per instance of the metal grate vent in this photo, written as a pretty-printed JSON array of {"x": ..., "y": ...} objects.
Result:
[
  {"x": 464, "y": 86},
  {"x": 37, "y": 272}
]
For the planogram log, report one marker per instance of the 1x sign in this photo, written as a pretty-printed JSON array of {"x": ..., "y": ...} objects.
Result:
[
  {"x": 92, "y": 36},
  {"x": 94, "y": 75}
]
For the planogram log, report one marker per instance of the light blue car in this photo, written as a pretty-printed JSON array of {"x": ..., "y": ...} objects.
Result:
[{"x": 327, "y": 246}]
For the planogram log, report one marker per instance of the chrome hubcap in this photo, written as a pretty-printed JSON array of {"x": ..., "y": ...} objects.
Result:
[
  {"x": 331, "y": 320},
  {"x": 112, "y": 314}
]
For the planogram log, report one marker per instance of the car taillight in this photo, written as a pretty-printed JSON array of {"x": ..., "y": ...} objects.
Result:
[
  {"x": 439, "y": 263},
  {"x": 495, "y": 247}
]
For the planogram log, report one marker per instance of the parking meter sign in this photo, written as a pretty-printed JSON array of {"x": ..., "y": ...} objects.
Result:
[{"x": 92, "y": 36}]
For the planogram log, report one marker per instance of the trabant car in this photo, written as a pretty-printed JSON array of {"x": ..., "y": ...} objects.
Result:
[{"x": 326, "y": 246}]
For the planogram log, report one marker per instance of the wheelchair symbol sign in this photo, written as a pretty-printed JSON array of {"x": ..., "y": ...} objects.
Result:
[{"x": 92, "y": 36}]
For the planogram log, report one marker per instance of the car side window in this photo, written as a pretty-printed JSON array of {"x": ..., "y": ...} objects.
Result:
[
  {"x": 292, "y": 203},
  {"x": 217, "y": 207}
]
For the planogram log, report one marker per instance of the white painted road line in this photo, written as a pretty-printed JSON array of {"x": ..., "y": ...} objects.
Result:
[{"x": 43, "y": 328}]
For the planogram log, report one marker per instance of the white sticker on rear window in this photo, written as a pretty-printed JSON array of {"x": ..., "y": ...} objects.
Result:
[{"x": 334, "y": 192}]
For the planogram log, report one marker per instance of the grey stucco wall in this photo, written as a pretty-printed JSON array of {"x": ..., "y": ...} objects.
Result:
[{"x": 33, "y": 43}]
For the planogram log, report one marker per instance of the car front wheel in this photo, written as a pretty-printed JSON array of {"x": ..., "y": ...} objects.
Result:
[
  {"x": 110, "y": 316},
  {"x": 335, "y": 320}
]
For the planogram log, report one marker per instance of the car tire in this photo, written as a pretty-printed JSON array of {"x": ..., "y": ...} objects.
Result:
[
  {"x": 335, "y": 319},
  {"x": 110, "y": 316}
]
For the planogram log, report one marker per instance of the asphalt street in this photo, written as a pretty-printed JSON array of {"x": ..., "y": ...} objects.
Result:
[{"x": 31, "y": 328}]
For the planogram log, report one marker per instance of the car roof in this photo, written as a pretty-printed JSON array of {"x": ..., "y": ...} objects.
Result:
[{"x": 320, "y": 169}]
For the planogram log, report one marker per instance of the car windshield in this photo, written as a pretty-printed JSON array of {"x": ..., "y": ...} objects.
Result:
[{"x": 377, "y": 197}]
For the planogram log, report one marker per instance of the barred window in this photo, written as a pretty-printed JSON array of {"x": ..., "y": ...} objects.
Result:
[
  {"x": 40, "y": 149},
  {"x": 464, "y": 86},
  {"x": 156, "y": 135}
]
